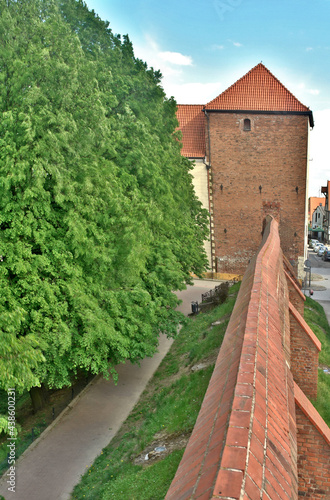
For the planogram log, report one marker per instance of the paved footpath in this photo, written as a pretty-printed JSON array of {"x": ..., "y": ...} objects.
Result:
[{"x": 52, "y": 466}]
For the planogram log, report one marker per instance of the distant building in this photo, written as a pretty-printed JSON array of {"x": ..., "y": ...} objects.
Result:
[
  {"x": 314, "y": 202},
  {"x": 326, "y": 191},
  {"x": 250, "y": 148},
  {"x": 318, "y": 220}
]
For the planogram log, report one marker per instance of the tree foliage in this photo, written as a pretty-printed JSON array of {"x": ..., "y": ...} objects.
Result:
[{"x": 99, "y": 221}]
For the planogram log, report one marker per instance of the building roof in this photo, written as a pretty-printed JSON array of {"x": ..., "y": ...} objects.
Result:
[
  {"x": 258, "y": 90},
  {"x": 192, "y": 125}
]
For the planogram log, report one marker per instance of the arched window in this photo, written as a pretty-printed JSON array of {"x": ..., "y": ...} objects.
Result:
[{"x": 247, "y": 124}]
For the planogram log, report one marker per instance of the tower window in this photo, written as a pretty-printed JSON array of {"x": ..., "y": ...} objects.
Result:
[{"x": 247, "y": 124}]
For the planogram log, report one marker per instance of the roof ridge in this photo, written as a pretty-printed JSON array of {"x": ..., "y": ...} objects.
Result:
[
  {"x": 275, "y": 77},
  {"x": 233, "y": 84},
  {"x": 201, "y": 105},
  {"x": 275, "y": 101}
]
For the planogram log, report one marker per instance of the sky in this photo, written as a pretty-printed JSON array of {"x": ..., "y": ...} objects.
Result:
[{"x": 202, "y": 47}]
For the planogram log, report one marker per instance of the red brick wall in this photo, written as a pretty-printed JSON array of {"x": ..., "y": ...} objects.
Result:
[
  {"x": 297, "y": 298},
  {"x": 313, "y": 460},
  {"x": 272, "y": 155},
  {"x": 305, "y": 348}
]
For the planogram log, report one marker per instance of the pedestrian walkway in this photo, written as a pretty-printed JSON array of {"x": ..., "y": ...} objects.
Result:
[
  {"x": 321, "y": 289},
  {"x": 52, "y": 466}
]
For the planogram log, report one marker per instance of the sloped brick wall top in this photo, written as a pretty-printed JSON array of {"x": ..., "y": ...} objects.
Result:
[
  {"x": 295, "y": 285},
  {"x": 309, "y": 332},
  {"x": 312, "y": 414}
]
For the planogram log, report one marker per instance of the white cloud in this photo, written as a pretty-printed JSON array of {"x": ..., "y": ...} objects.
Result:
[
  {"x": 176, "y": 58},
  {"x": 151, "y": 43},
  {"x": 192, "y": 93},
  {"x": 170, "y": 64},
  {"x": 236, "y": 44},
  {"x": 218, "y": 47},
  {"x": 308, "y": 49},
  {"x": 313, "y": 91},
  {"x": 302, "y": 92}
]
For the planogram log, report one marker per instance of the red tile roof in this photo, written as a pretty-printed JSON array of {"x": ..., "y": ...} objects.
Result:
[
  {"x": 192, "y": 125},
  {"x": 258, "y": 90}
]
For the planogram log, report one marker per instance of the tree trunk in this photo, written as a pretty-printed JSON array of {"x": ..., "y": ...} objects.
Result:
[{"x": 39, "y": 397}]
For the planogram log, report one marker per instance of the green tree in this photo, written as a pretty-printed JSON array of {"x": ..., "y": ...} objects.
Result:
[{"x": 99, "y": 221}]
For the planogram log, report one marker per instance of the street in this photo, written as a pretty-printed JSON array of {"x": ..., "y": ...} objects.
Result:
[{"x": 320, "y": 281}]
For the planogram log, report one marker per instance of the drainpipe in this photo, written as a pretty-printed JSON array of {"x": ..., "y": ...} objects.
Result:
[{"x": 208, "y": 167}]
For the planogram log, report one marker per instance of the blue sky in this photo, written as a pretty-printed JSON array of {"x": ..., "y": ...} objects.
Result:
[{"x": 203, "y": 46}]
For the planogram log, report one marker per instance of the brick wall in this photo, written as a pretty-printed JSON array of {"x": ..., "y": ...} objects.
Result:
[
  {"x": 313, "y": 439},
  {"x": 247, "y": 443},
  {"x": 297, "y": 298},
  {"x": 305, "y": 348},
  {"x": 272, "y": 155}
]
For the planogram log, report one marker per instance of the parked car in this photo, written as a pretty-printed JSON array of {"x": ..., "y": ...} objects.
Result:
[
  {"x": 317, "y": 246},
  {"x": 321, "y": 251},
  {"x": 326, "y": 254},
  {"x": 312, "y": 243}
]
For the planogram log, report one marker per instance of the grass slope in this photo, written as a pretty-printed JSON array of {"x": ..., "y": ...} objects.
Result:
[{"x": 315, "y": 317}]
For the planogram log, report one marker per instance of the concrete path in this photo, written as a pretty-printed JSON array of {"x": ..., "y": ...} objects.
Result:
[{"x": 52, "y": 466}]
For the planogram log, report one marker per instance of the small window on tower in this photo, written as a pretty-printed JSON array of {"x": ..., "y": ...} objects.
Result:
[{"x": 247, "y": 124}]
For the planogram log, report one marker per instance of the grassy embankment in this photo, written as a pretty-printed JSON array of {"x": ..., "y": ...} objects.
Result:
[{"x": 317, "y": 320}]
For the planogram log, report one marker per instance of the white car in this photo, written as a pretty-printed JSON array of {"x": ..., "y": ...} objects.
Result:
[
  {"x": 312, "y": 243},
  {"x": 317, "y": 247},
  {"x": 321, "y": 250}
]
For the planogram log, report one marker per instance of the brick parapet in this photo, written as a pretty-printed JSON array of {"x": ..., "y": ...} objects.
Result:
[
  {"x": 199, "y": 467},
  {"x": 257, "y": 435},
  {"x": 290, "y": 270},
  {"x": 244, "y": 441},
  {"x": 297, "y": 298},
  {"x": 305, "y": 348},
  {"x": 313, "y": 458}
]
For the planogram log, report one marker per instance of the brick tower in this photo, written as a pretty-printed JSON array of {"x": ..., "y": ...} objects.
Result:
[{"x": 256, "y": 163}]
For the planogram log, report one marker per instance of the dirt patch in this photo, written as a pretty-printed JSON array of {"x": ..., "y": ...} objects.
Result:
[
  {"x": 220, "y": 321},
  {"x": 325, "y": 369},
  {"x": 162, "y": 446},
  {"x": 209, "y": 361}
]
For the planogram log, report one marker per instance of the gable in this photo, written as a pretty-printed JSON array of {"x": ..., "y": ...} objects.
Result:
[{"x": 258, "y": 90}]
